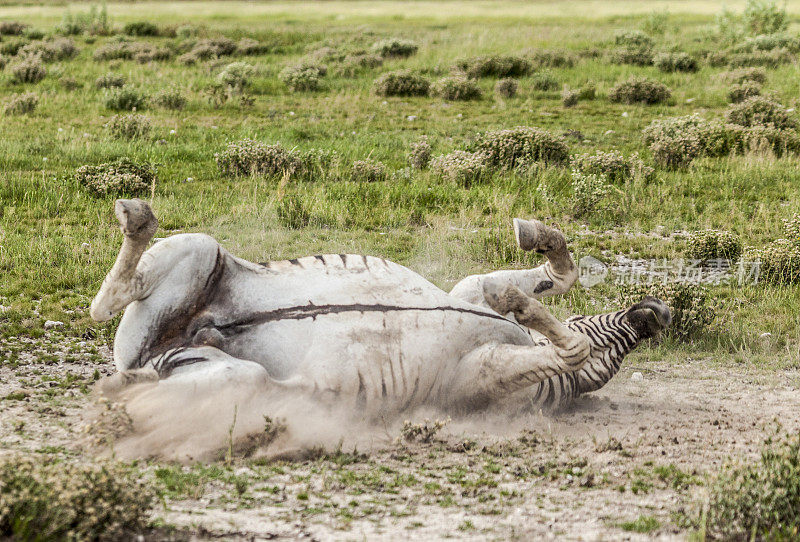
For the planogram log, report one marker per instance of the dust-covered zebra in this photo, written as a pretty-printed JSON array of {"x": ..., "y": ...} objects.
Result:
[{"x": 356, "y": 330}]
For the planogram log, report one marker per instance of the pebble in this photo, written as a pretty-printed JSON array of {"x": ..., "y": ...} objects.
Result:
[
  {"x": 766, "y": 335},
  {"x": 411, "y": 117},
  {"x": 637, "y": 377},
  {"x": 85, "y": 246},
  {"x": 625, "y": 114},
  {"x": 51, "y": 324}
]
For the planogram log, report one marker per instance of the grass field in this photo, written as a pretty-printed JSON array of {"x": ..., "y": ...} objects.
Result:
[{"x": 57, "y": 239}]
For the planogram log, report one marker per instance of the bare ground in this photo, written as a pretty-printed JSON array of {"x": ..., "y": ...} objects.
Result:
[{"x": 634, "y": 450}]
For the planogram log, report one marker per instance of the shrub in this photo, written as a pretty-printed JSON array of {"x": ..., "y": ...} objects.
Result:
[
  {"x": 690, "y": 305},
  {"x": 187, "y": 31},
  {"x": 633, "y": 38},
  {"x": 33, "y": 33},
  {"x": 656, "y": 23},
  {"x": 21, "y": 104},
  {"x": 110, "y": 80},
  {"x": 94, "y": 22},
  {"x": 218, "y": 46},
  {"x": 115, "y": 50},
  {"x": 125, "y": 98},
  {"x": 495, "y": 66},
  {"x": 12, "y": 47},
  {"x": 553, "y": 58},
  {"x": 770, "y": 59},
  {"x": 457, "y": 88},
  {"x": 369, "y": 170},
  {"x": 236, "y": 76},
  {"x": 69, "y": 83},
  {"x": 676, "y": 152},
  {"x": 612, "y": 164},
  {"x": 140, "y": 28},
  {"x": 760, "y": 111},
  {"x": 395, "y": 47},
  {"x": 357, "y": 62},
  {"x": 150, "y": 54},
  {"x": 588, "y": 91},
  {"x": 569, "y": 97},
  {"x": 765, "y": 17},
  {"x": 791, "y": 228},
  {"x": 768, "y": 43},
  {"x": 637, "y": 56},
  {"x": 420, "y": 155},
  {"x": 128, "y": 126},
  {"x": 250, "y": 157},
  {"x": 462, "y": 167},
  {"x": 303, "y": 78},
  {"x": 639, "y": 90},
  {"x": 745, "y": 75},
  {"x": 779, "y": 262},
  {"x": 544, "y": 81},
  {"x": 12, "y": 28},
  {"x": 123, "y": 177},
  {"x": 740, "y": 92},
  {"x": 521, "y": 146},
  {"x": 29, "y": 70},
  {"x": 170, "y": 98},
  {"x": 42, "y": 499},
  {"x": 506, "y": 88},
  {"x": 758, "y": 500},
  {"x": 707, "y": 245},
  {"x": 249, "y": 46},
  {"x": 401, "y": 83},
  {"x": 588, "y": 192},
  {"x": 51, "y": 50},
  {"x": 675, "y": 62}
]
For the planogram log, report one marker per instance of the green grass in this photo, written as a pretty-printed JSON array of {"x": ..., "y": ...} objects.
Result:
[
  {"x": 642, "y": 524},
  {"x": 57, "y": 241}
]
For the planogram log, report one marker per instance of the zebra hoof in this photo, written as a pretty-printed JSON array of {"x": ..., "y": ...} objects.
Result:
[{"x": 535, "y": 235}]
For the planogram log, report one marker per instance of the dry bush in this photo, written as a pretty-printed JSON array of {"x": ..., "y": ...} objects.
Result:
[
  {"x": 304, "y": 77},
  {"x": 612, "y": 164},
  {"x": 170, "y": 98},
  {"x": 369, "y": 170},
  {"x": 553, "y": 58},
  {"x": 707, "y": 245},
  {"x": 395, "y": 47},
  {"x": 745, "y": 75},
  {"x": 110, "y": 80},
  {"x": 639, "y": 90},
  {"x": 760, "y": 111},
  {"x": 495, "y": 66},
  {"x": 522, "y": 146},
  {"x": 50, "y": 50},
  {"x": 506, "y": 88},
  {"x": 123, "y": 177},
  {"x": 675, "y": 62},
  {"x": 569, "y": 97},
  {"x": 401, "y": 83},
  {"x": 21, "y": 104},
  {"x": 461, "y": 167},
  {"x": 128, "y": 126},
  {"x": 29, "y": 70},
  {"x": 420, "y": 155},
  {"x": 544, "y": 81},
  {"x": 741, "y": 91},
  {"x": 457, "y": 88},
  {"x": 126, "y": 98},
  {"x": 250, "y": 157}
]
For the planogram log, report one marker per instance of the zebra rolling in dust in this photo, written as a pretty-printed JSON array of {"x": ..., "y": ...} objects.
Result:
[{"x": 357, "y": 331}]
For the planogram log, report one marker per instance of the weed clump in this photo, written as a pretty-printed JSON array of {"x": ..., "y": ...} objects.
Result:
[
  {"x": 553, "y": 58},
  {"x": 457, "y": 88},
  {"x": 395, "y": 47},
  {"x": 569, "y": 97},
  {"x": 123, "y": 177},
  {"x": 758, "y": 500},
  {"x": 588, "y": 192},
  {"x": 22, "y": 104},
  {"x": 461, "y": 167},
  {"x": 692, "y": 309},
  {"x": 128, "y": 126},
  {"x": 506, "y": 88},
  {"x": 423, "y": 431},
  {"x": 125, "y": 98},
  {"x": 29, "y": 70},
  {"x": 765, "y": 17},
  {"x": 760, "y": 111},
  {"x": 708, "y": 245},
  {"x": 769, "y": 59},
  {"x": 741, "y": 91},
  {"x": 612, "y": 164},
  {"x": 303, "y": 78},
  {"x": 235, "y": 77},
  {"x": 745, "y": 75},
  {"x": 45, "y": 500},
  {"x": 110, "y": 80},
  {"x": 357, "y": 62},
  {"x": 369, "y": 170},
  {"x": 675, "y": 62},
  {"x": 12, "y": 28},
  {"x": 140, "y": 28},
  {"x": 639, "y": 90},
  {"x": 250, "y": 157},
  {"x": 521, "y": 146},
  {"x": 50, "y": 50},
  {"x": 401, "y": 83},
  {"x": 636, "y": 56},
  {"x": 170, "y": 98},
  {"x": 544, "y": 81},
  {"x": 633, "y": 38},
  {"x": 420, "y": 155},
  {"x": 495, "y": 66}
]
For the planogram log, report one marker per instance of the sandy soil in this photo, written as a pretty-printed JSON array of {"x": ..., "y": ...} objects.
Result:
[{"x": 578, "y": 475}]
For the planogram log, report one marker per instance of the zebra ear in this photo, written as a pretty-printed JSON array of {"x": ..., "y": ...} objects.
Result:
[{"x": 645, "y": 321}]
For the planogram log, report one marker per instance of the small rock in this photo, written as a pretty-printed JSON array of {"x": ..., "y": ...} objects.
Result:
[
  {"x": 85, "y": 247},
  {"x": 51, "y": 324},
  {"x": 411, "y": 118},
  {"x": 625, "y": 114},
  {"x": 765, "y": 336},
  {"x": 689, "y": 100},
  {"x": 609, "y": 132},
  {"x": 637, "y": 377}
]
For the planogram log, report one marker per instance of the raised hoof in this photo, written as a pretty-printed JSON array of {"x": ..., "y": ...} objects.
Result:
[
  {"x": 113, "y": 384},
  {"x": 135, "y": 218},
  {"x": 503, "y": 297},
  {"x": 535, "y": 235}
]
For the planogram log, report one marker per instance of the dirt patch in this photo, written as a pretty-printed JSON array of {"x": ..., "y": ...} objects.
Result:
[{"x": 633, "y": 454}]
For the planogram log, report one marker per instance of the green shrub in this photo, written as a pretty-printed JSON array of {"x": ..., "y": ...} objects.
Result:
[
  {"x": 29, "y": 70},
  {"x": 758, "y": 500},
  {"x": 544, "y": 81},
  {"x": 123, "y": 177},
  {"x": 765, "y": 17},
  {"x": 677, "y": 141},
  {"x": 69, "y": 83},
  {"x": 170, "y": 98},
  {"x": 50, "y": 50},
  {"x": 495, "y": 66},
  {"x": 588, "y": 192},
  {"x": 769, "y": 59},
  {"x": 21, "y": 104},
  {"x": 522, "y": 146},
  {"x": 457, "y": 88},
  {"x": 128, "y": 126},
  {"x": 588, "y": 91},
  {"x": 692, "y": 309},
  {"x": 779, "y": 262},
  {"x": 745, "y": 75},
  {"x": 110, "y": 80},
  {"x": 140, "y": 28},
  {"x": 675, "y": 62},
  {"x": 249, "y": 46},
  {"x": 125, "y": 98},
  {"x": 569, "y": 97},
  {"x": 250, "y": 157},
  {"x": 741, "y": 91},
  {"x": 633, "y": 38},
  {"x": 768, "y": 42},
  {"x": 639, "y": 90},
  {"x": 506, "y": 88},
  {"x": 355, "y": 63},
  {"x": 369, "y": 170},
  {"x": 94, "y": 22},
  {"x": 401, "y": 83},
  {"x": 12, "y": 47},
  {"x": 395, "y": 47},
  {"x": 236, "y": 77},
  {"x": 656, "y": 23},
  {"x": 636, "y": 56},
  {"x": 760, "y": 111},
  {"x": 151, "y": 54},
  {"x": 462, "y": 167},
  {"x": 42, "y": 499},
  {"x": 115, "y": 50},
  {"x": 187, "y": 31},
  {"x": 553, "y": 58},
  {"x": 12, "y": 28},
  {"x": 791, "y": 228},
  {"x": 303, "y": 78},
  {"x": 420, "y": 155},
  {"x": 612, "y": 164},
  {"x": 707, "y": 245},
  {"x": 221, "y": 46}
]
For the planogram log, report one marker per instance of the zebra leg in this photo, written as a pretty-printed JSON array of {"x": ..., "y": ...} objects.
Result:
[{"x": 556, "y": 276}]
